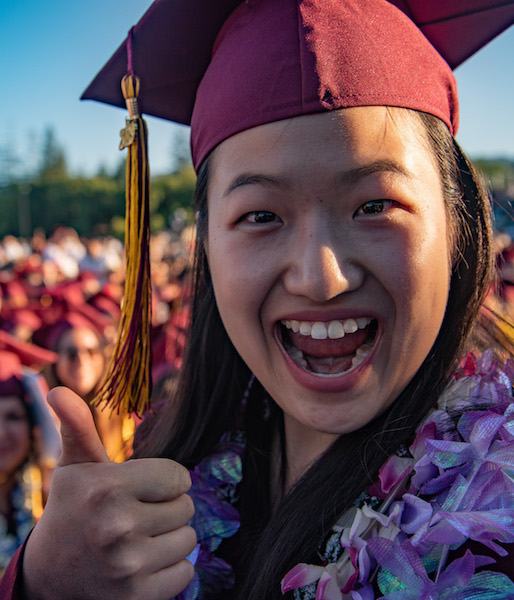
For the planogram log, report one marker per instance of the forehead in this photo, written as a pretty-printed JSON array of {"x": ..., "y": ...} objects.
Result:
[
  {"x": 79, "y": 336},
  {"x": 8, "y": 403},
  {"x": 345, "y": 138}
]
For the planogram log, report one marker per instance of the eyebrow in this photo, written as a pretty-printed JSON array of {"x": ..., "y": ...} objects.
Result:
[
  {"x": 256, "y": 179},
  {"x": 343, "y": 178}
]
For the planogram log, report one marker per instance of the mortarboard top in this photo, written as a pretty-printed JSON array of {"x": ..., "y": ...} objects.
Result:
[
  {"x": 49, "y": 334},
  {"x": 172, "y": 53}
]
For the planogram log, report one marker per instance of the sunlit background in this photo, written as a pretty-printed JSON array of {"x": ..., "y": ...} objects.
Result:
[{"x": 51, "y": 50}]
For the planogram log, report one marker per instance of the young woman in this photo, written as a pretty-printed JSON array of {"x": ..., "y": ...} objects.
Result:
[
  {"x": 24, "y": 431},
  {"x": 341, "y": 441}
]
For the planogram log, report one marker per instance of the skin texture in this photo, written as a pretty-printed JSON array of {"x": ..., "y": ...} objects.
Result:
[
  {"x": 14, "y": 436},
  {"x": 291, "y": 203},
  {"x": 83, "y": 372}
]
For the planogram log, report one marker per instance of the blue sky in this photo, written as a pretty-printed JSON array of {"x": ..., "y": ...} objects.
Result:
[{"x": 51, "y": 49}]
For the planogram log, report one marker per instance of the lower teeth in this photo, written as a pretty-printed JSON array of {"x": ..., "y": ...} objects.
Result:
[{"x": 297, "y": 355}]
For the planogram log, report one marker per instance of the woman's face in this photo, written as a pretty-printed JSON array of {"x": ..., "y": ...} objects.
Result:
[
  {"x": 327, "y": 245},
  {"x": 81, "y": 363},
  {"x": 15, "y": 442}
]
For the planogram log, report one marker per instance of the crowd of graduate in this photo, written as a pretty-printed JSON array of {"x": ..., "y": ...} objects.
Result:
[{"x": 60, "y": 303}]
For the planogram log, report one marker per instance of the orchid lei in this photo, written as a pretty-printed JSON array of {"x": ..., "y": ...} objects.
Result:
[
  {"x": 456, "y": 483},
  {"x": 214, "y": 491}
]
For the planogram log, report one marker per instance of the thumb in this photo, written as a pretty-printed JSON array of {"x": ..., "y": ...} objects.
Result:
[{"x": 80, "y": 439}]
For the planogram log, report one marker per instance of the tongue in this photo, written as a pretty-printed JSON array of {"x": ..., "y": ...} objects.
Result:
[
  {"x": 345, "y": 346},
  {"x": 328, "y": 366}
]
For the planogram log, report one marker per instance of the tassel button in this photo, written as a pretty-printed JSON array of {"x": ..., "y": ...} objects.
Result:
[{"x": 128, "y": 134}]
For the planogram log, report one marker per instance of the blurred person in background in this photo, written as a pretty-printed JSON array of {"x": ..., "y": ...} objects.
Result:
[
  {"x": 82, "y": 359},
  {"x": 28, "y": 441}
]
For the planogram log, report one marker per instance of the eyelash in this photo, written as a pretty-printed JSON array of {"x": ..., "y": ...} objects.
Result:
[
  {"x": 253, "y": 217},
  {"x": 373, "y": 203}
]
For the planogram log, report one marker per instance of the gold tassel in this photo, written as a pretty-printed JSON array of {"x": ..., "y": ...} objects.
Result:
[{"x": 127, "y": 385}]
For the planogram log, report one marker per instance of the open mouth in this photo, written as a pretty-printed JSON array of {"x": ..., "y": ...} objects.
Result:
[{"x": 329, "y": 348}]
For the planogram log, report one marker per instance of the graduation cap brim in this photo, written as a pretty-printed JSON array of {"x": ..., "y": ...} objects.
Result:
[
  {"x": 29, "y": 354},
  {"x": 172, "y": 46}
]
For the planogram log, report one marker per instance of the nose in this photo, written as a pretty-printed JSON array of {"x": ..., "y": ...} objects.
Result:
[{"x": 322, "y": 270}]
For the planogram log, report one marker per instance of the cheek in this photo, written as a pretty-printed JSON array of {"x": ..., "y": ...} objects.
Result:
[
  {"x": 62, "y": 368},
  {"x": 423, "y": 288},
  {"x": 21, "y": 435},
  {"x": 98, "y": 364},
  {"x": 240, "y": 278}
]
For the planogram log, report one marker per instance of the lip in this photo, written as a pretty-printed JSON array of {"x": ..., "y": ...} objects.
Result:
[{"x": 334, "y": 384}]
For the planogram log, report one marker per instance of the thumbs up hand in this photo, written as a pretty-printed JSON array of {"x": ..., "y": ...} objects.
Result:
[{"x": 116, "y": 531}]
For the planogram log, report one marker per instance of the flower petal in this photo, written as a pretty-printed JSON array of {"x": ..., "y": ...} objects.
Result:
[
  {"x": 447, "y": 454},
  {"x": 327, "y": 587},
  {"x": 416, "y": 514},
  {"x": 458, "y": 573},
  {"x": 300, "y": 575}
]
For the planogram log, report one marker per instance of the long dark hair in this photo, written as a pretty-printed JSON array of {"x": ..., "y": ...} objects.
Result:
[{"x": 214, "y": 377}]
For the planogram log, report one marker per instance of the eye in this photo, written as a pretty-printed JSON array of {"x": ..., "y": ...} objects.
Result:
[
  {"x": 374, "y": 207},
  {"x": 15, "y": 417},
  {"x": 260, "y": 217}
]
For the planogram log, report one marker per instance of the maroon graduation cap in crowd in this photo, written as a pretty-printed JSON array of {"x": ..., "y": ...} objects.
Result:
[{"x": 224, "y": 66}]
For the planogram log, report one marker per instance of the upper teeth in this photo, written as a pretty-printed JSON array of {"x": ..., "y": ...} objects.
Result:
[{"x": 318, "y": 330}]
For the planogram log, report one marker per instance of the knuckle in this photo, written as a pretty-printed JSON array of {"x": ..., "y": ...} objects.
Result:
[
  {"x": 180, "y": 477},
  {"x": 126, "y": 566},
  {"x": 104, "y": 491},
  {"x": 110, "y": 530},
  {"x": 190, "y": 538},
  {"x": 188, "y": 506}
]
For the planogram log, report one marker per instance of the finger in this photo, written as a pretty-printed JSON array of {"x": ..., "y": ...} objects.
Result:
[
  {"x": 156, "y": 518},
  {"x": 168, "y": 549},
  {"x": 169, "y": 582},
  {"x": 157, "y": 479},
  {"x": 80, "y": 440}
]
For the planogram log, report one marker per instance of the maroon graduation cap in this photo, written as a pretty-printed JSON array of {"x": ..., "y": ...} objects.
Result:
[{"x": 177, "y": 41}]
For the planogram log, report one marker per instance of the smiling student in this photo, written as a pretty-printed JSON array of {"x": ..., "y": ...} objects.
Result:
[{"x": 343, "y": 420}]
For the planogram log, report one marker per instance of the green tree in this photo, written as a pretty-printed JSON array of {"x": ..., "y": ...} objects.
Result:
[
  {"x": 180, "y": 151},
  {"x": 53, "y": 158},
  {"x": 169, "y": 192}
]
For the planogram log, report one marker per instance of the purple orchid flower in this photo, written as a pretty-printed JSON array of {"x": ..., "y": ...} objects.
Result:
[{"x": 403, "y": 576}]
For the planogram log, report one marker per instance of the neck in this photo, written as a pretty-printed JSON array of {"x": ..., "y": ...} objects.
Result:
[{"x": 303, "y": 447}]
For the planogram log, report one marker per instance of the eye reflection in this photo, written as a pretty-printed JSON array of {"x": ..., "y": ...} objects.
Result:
[
  {"x": 374, "y": 207},
  {"x": 261, "y": 216}
]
